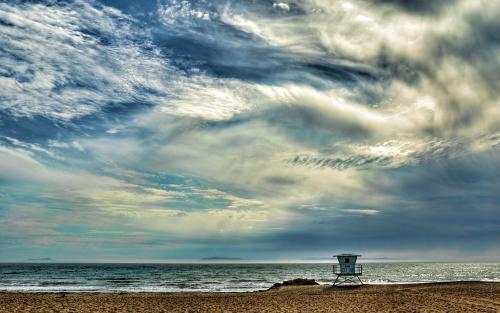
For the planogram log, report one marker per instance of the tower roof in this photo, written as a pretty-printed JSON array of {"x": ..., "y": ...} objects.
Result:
[{"x": 346, "y": 254}]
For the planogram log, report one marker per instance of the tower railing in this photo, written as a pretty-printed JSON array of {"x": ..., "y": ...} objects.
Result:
[{"x": 358, "y": 270}]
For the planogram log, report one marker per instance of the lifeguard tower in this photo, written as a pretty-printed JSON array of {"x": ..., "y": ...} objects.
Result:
[{"x": 347, "y": 270}]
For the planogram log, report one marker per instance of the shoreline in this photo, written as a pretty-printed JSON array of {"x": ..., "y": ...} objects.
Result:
[
  {"x": 449, "y": 297},
  {"x": 243, "y": 291}
]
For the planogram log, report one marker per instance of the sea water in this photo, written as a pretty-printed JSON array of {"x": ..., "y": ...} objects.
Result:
[{"x": 49, "y": 277}]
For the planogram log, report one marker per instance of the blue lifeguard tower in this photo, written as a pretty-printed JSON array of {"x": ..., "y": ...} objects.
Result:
[{"x": 347, "y": 270}]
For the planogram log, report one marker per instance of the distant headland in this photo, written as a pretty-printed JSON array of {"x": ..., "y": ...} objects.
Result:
[
  {"x": 40, "y": 260},
  {"x": 221, "y": 258}
]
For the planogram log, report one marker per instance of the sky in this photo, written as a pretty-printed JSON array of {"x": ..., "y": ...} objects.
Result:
[{"x": 165, "y": 129}]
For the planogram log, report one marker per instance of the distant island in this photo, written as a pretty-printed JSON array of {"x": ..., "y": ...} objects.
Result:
[
  {"x": 220, "y": 258},
  {"x": 41, "y": 260}
]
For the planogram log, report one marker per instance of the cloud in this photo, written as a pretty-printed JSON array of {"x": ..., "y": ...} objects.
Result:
[
  {"x": 418, "y": 6},
  {"x": 362, "y": 211},
  {"x": 176, "y": 12},
  {"x": 59, "y": 64},
  {"x": 282, "y": 6},
  {"x": 72, "y": 60},
  {"x": 261, "y": 125},
  {"x": 389, "y": 154},
  {"x": 417, "y": 74},
  {"x": 97, "y": 203},
  {"x": 29, "y": 146}
]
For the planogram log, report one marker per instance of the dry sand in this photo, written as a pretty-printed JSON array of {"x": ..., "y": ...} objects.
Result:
[{"x": 442, "y": 297}]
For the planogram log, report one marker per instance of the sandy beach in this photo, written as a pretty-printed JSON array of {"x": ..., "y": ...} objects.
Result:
[{"x": 439, "y": 297}]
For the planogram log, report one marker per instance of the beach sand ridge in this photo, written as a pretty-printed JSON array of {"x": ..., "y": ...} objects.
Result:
[{"x": 441, "y": 297}]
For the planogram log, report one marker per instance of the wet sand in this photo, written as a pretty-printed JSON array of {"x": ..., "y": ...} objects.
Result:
[{"x": 440, "y": 297}]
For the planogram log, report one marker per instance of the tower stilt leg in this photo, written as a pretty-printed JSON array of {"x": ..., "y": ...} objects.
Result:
[
  {"x": 360, "y": 280},
  {"x": 344, "y": 280},
  {"x": 336, "y": 280}
]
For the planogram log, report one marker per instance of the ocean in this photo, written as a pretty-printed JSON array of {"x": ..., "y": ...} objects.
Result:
[{"x": 52, "y": 277}]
